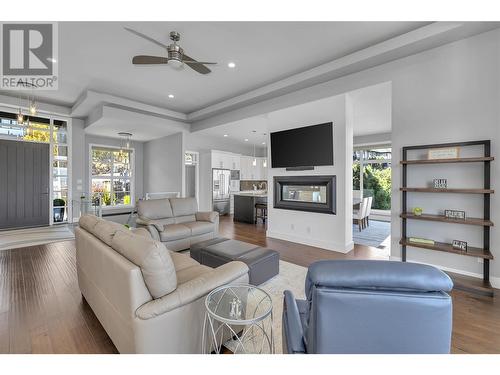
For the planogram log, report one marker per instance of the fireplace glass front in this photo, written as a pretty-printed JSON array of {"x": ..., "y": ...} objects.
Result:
[
  {"x": 302, "y": 193},
  {"x": 305, "y": 193}
]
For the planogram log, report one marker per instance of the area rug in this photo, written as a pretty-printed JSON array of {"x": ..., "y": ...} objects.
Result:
[
  {"x": 376, "y": 235},
  {"x": 13, "y": 239},
  {"x": 291, "y": 277}
]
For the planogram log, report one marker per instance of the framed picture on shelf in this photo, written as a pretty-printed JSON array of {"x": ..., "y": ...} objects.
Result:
[
  {"x": 455, "y": 214},
  {"x": 440, "y": 183},
  {"x": 459, "y": 245},
  {"x": 443, "y": 153}
]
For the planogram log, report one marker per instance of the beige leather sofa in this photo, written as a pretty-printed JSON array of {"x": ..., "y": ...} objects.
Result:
[
  {"x": 148, "y": 299},
  {"x": 177, "y": 222}
]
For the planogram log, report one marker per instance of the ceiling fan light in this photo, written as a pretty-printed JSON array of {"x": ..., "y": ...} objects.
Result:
[{"x": 176, "y": 64}]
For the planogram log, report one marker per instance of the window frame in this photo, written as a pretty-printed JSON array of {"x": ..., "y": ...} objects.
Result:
[{"x": 112, "y": 178}]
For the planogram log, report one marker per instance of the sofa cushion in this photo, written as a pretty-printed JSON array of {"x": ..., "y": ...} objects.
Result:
[
  {"x": 174, "y": 232},
  {"x": 153, "y": 259},
  {"x": 182, "y": 261},
  {"x": 183, "y": 206},
  {"x": 207, "y": 216},
  {"x": 192, "y": 272},
  {"x": 200, "y": 227},
  {"x": 105, "y": 230},
  {"x": 184, "y": 219},
  {"x": 154, "y": 209},
  {"x": 141, "y": 232},
  {"x": 88, "y": 222}
]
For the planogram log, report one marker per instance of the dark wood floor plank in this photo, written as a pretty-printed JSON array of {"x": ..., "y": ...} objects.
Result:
[{"x": 42, "y": 310}]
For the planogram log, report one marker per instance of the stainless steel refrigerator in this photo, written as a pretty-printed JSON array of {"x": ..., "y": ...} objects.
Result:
[{"x": 221, "y": 184}]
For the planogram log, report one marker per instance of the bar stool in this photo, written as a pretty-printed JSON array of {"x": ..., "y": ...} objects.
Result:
[{"x": 261, "y": 211}]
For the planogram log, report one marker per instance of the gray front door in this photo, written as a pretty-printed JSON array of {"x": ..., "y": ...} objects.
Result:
[{"x": 24, "y": 184}]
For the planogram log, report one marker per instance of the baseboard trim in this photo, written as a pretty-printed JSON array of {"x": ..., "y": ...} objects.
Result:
[
  {"x": 341, "y": 248},
  {"x": 494, "y": 281}
]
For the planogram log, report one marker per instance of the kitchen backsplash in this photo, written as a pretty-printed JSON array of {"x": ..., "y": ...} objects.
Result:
[{"x": 248, "y": 185}]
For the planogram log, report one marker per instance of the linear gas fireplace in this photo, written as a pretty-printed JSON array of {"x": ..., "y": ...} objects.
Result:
[{"x": 305, "y": 193}]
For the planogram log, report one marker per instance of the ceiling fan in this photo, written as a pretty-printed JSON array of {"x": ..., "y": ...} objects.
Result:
[{"x": 176, "y": 56}]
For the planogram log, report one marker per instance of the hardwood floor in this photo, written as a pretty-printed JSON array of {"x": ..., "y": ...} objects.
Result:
[{"x": 42, "y": 311}]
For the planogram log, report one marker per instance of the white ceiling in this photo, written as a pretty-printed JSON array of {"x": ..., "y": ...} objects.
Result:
[
  {"x": 252, "y": 128},
  {"x": 372, "y": 109},
  {"x": 97, "y": 56}
]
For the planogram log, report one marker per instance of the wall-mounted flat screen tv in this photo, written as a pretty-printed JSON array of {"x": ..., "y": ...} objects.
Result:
[{"x": 309, "y": 146}]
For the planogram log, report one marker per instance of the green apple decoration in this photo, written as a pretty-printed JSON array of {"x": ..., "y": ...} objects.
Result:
[{"x": 417, "y": 211}]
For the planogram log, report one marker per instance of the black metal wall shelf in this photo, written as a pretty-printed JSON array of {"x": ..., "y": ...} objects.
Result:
[{"x": 484, "y": 222}]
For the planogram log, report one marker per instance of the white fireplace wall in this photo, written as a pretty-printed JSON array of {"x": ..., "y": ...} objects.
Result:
[{"x": 332, "y": 232}]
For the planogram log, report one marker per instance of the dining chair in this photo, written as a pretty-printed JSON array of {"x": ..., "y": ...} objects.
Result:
[
  {"x": 360, "y": 215},
  {"x": 368, "y": 211}
]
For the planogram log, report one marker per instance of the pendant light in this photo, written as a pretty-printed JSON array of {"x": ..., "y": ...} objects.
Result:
[
  {"x": 126, "y": 140},
  {"x": 254, "y": 161},
  {"x": 264, "y": 163}
]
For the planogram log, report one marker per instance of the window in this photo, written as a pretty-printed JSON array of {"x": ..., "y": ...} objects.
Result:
[
  {"x": 371, "y": 175},
  {"x": 52, "y": 131},
  {"x": 112, "y": 176}
]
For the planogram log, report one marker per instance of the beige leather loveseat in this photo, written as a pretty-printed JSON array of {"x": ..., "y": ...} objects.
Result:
[
  {"x": 177, "y": 222},
  {"x": 148, "y": 299}
]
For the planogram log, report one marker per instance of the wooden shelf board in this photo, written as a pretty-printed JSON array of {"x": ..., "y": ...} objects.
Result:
[
  {"x": 443, "y": 219},
  {"x": 433, "y": 190},
  {"x": 453, "y": 160},
  {"x": 447, "y": 248},
  {"x": 471, "y": 284}
]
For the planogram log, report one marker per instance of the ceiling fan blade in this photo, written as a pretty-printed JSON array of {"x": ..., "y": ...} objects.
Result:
[
  {"x": 146, "y": 37},
  {"x": 188, "y": 59},
  {"x": 199, "y": 62},
  {"x": 200, "y": 68},
  {"x": 143, "y": 59}
]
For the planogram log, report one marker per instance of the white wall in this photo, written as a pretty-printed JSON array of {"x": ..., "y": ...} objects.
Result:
[
  {"x": 333, "y": 232},
  {"x": 78, "y": 174},
  {"x": 445, "y": 95},
  {"x": 164, "y": 164}
]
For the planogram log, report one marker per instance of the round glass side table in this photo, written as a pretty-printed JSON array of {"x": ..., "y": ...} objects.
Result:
[{"x": 239, "y": 316}]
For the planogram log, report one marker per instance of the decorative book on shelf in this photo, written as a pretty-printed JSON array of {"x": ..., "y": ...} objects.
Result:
[{"x": 447, "y": 153}]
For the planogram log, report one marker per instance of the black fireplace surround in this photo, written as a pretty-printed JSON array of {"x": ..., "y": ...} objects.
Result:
[{"x": 306, "y": 193}]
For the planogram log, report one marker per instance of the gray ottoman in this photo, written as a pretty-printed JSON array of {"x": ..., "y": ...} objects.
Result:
[{"x": 263, "y": 263}]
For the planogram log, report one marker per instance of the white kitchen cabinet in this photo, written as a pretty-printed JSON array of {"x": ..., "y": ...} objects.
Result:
[
  {"x": 235, "y": 162},
  {"x": 252, "y": 172},
  {"x": 225, "y": 160},
  {"x": 245, "y": 168}
]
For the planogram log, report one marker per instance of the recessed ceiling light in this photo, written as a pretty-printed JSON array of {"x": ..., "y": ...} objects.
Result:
[
  {"x": 171, "y": 96},
  {"x": 246, "y": 139},
  {"x": 51, "y": 59},
  {"x": 225, "y": 135},
  {"x": 263, "y": 143},
  {"x": 231, "y": 65}
]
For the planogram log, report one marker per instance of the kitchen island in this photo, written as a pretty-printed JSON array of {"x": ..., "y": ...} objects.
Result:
[{"x": 244, "y": 206}]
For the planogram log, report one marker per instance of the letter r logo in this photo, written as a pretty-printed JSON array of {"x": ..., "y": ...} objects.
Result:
[{"x": 27, "y": 49}]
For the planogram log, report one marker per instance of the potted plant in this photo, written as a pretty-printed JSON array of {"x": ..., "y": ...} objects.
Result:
[{"x": 59, "y": 210}]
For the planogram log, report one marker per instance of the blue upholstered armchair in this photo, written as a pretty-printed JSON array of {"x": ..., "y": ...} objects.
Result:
[{"x": 357, "y": 306}]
